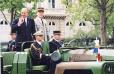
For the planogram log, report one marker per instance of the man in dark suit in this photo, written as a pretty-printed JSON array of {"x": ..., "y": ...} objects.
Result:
[
  {"x": 38, "y": 56},
  {"x": 24, "y": 28},
  {"x": 56, "y": 41}
]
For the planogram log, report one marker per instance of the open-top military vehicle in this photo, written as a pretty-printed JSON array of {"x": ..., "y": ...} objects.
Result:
[{"x": 78, "y": 60}]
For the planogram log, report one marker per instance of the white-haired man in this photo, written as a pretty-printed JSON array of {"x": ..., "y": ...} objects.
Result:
[{"x": 24, "y": 27}]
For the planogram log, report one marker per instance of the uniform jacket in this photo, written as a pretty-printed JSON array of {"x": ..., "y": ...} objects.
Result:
[
  {"x": 37, "y": 55},
  {"x": 39, "y": 24},
  {"x": 36, "y": 50},
  {"x": 54, "y": 45}
]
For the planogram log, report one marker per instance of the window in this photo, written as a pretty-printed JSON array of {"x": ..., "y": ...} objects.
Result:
[
  {"x": 51, "y": 3},
  {"x": 52, "y": 23},
  {"x": 68, "y": 23},
  {"x": 49, "y": 23},
  {"x": 68, "y": 2},
  {"x": 82, "y": 24},
  {"x": 6, "y": 23},
  {"x": 1, "y": 22}
]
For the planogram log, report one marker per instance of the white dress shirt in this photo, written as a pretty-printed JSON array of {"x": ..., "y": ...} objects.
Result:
[{"x": 26, "y": 21}]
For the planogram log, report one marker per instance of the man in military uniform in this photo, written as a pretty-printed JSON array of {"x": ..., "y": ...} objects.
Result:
[
  {"x": 40, "y": 22},
  {"x": 54, "y": 45},
  {"x": 37, "y": 51},
  {"x": 56, "y": 41},
  {"x": 12, "y": 43}
]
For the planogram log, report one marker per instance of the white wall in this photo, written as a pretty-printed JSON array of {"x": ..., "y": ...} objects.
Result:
[{"x": 5, "y": 28}]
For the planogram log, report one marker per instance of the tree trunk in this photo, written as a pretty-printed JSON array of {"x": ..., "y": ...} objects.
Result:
[
  {"x": 113, "y": 33},
  {"x": 12, "y": 15},
  {"x": 103, "y": 34},
  {"x": 4, "y": 16}
]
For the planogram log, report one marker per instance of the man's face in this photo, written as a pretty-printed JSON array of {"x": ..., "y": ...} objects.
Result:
[
  {"x": 40, "y": 13},
  {"x": 24, "y": 13},
  {"x": 39, "y": 37},
  {"x": 13, "y": 36},
  {"x": 57, "y": 36}
]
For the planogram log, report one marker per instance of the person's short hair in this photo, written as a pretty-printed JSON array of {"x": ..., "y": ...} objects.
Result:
[
  {"x": 24, "y": 9},
  {"x": 40, "y": 9}
]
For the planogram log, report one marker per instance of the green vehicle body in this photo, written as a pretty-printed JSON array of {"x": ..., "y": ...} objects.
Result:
[{"x": 20, "y": 62}]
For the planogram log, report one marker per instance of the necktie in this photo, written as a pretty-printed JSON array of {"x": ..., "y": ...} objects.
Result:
[
  {"x": 25, "y": 22},
  {"x": 44, "y": 29},
  {"x": 26, "y": 31},
  {"x": 42, "y": 22}
]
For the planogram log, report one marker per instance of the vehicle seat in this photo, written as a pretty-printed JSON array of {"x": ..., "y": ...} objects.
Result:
[
  {"x": 30, "y": 66},
  {"x": 8, "y": 58}
]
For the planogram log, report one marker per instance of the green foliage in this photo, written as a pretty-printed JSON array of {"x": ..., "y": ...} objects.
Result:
[
  {"x": 9, "y": 4},
  {"x": 107, "y": 5},
  {"x": 92, "y": 34},
  {"x": 81, "y": 10},
  {"x": 109, "y": 13},
  {"x": 17, "y": 5},
  {"x": 32, "y": 13},
  {"x": 89, "y": 10},
  {"x": 110, "y": 24},
  {"x": 82, "y": 38}
]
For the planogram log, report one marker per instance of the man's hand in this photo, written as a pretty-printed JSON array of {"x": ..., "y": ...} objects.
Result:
[{"x": 21, "y": 20}]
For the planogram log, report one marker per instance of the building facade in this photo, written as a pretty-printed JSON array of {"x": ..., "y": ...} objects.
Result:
[
  {"x": 4, "y": 26},
  {"x": 58, "y": 19}
]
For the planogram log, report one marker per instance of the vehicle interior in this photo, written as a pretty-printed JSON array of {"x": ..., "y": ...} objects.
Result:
[{"x": 75, "y": 60}]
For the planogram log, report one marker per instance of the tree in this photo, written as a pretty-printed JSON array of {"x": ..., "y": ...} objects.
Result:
[
  {"x": 80, "y": 10},
  {"x": 105, "y": 9},
  {"x": 93, "y": 9},
  {"x": 14, "y": 6}
]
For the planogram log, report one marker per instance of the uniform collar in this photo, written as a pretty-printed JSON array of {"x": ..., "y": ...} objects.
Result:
[
  {"x": 40, "y": 43},
  {"x": 56, "y": 40},
  {"x": 13, "y": 40}
]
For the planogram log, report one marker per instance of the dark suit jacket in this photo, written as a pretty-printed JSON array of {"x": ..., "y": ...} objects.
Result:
[
  {"x": 54, "y": 45},
  {"x": 24, "y": 33}
]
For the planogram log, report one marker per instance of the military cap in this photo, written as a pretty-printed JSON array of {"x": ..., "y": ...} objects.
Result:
[
  {"x": 56, "y": 32},
  {"x": 12, "y": 33},
  {"x": 38, "y": 33},
  {"x": 40, "y": 9}
]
